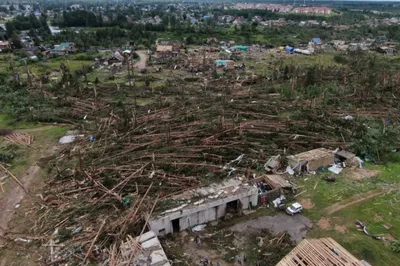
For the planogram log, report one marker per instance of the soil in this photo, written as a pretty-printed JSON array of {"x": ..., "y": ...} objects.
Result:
[
  {"x": 353, "y": 200},
  {"x": 390, "y": 237},
  {"x": 361, "y": 173},
  {"x": 296, "y": 226},
  {"x": 306, "y": 203},
  {"x": 324, "y": 223},
  {"x": 14, "y": 196},
  {"x": 341, "y": 229},
  {"x": 143, "y": 59}
]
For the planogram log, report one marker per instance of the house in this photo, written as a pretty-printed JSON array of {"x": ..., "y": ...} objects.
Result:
[
  {"x": 116, "y": 58},
  {"x": 212, "y": 41},
  {"x": 54, "y": 30},
  {"x": 386, "y": 50},
  {"x": 325, "y": 252},
  {"x": 338, "y": 42},
  {"x": 168, "y": 49},
  {"x": 316, "y": 41},
  {"x": 238, "y": 21},
  {"x": 4, "y": 46},
  {"x": 147, "y": 248},
  {"x": 202, "y": 205},
  {"x": 64, "y": 48},
  {"x": 3, "y": 32},
  {"x": 311, "y": 160}
]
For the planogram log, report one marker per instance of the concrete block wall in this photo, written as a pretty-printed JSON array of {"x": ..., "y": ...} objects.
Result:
[{"x": 201, "y": 214}]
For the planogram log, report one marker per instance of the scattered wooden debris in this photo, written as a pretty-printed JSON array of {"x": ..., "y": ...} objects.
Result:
[{"x": 19, "y": 138}]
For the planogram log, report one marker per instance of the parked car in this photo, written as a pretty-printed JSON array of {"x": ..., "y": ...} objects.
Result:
[{"x": 294, "y": 208}]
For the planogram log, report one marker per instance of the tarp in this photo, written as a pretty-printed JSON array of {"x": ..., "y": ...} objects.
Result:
[
  {"x": 289, "y": 49},
  {"x": 67, "y": 139},
  {"x": 317, "y": 40}
]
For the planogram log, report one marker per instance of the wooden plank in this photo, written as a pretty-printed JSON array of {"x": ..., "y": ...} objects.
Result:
[{"x": 319, "y": 252}]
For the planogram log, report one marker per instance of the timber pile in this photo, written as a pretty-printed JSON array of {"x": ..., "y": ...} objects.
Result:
[{"x": 19, "y": 138}]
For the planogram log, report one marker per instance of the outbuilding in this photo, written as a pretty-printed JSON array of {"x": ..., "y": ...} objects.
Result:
[
  {"x": 204, "y": 205},
  {"x": 311, "y": 160}
]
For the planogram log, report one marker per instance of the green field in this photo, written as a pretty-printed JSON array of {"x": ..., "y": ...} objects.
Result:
[{"x": 375, "y": 212}]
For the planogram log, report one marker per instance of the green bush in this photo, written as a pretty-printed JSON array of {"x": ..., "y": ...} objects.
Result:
[
  {"x": 395, "y": 246},
  {"x": 341, "y": 59}
]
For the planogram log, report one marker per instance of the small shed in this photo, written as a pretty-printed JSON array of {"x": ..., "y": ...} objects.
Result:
[
  {"x": 311, "y": 160},
  {"x": 270, "y": 187}
]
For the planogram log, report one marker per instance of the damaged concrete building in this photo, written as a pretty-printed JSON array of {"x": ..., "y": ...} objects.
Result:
[
  {"x": 311, "y": 160},
  {"x": 210, "y": 204}
]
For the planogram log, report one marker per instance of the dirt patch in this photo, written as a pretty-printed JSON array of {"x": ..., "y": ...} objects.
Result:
[
  {"x": 353, "y": 200},
  {"x": 324, "y": 223},
  {"x": 306, "y": 203},
  {"x": 296, "y": 226},
  {"x": 378, "y": 218},
  {"x": 141, "y": 64},
  {"x": 341, "y": 229},
  {"x": 390, "y": 237},
  {"x": 361, "y": 173}
]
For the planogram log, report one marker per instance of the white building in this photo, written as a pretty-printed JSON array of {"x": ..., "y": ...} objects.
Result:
[{"x": 210, "y": 204}]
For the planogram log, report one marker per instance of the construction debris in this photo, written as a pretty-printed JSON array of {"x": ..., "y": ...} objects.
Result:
[
  {"x": 326, "y": 251},
  {"x": 19, "y": 138}
]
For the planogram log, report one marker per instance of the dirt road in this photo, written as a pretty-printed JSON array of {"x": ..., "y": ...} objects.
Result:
[
  {"x": 143, "y": 59},
  {"x": 353, "y": 200},
  {"x": 14, "y": 196}
]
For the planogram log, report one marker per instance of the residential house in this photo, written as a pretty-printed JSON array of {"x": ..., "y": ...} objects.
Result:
[
  {"x": 64, "y": 48},
  {"x": 238, "y": 21},
  {"x": 212, "y": 41},
  {"x": 3, "y": 33},
  {"x": 167, "y": 49},
  {"x": 4, "y": 46},
  {"x": 317, "y": 42},
  {"x": 116, "y": 59},
  {"x": 386, "y": 50}
]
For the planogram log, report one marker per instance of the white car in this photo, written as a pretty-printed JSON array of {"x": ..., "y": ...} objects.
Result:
[{"x": 294, "y": 208}]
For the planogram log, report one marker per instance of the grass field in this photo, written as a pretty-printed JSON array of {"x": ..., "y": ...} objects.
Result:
[{"x": 375, "y": 212}]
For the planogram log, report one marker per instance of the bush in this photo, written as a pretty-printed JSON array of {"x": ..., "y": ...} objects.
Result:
[
  {"x": 395, "y": 246},
  {"x": 341, "y": 59}
]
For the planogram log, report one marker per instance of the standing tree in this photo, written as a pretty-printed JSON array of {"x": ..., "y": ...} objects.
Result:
[{"x": 16, "y": 41}]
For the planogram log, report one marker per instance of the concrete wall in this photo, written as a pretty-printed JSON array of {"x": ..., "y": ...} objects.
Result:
[{"x": 207, "y": 212}]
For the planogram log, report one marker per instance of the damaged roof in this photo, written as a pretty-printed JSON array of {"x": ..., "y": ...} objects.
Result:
[
  {"x": 208, "y": 194},
  {"x": 325, "y": 252}
]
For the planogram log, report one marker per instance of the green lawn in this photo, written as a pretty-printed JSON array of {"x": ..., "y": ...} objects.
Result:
[
  {"x": 374, "y": 212},
  {"x": 7, "y": 122}
]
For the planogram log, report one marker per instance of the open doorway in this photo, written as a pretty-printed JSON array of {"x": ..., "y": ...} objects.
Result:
[
  {"x": 175, "y": 226},
  {"x": 233, "y": 207}
]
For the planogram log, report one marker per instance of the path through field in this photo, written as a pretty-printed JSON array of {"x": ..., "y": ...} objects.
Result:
[{"x": 353, "y": 200}]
